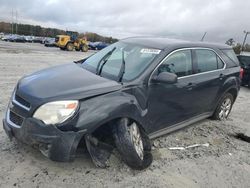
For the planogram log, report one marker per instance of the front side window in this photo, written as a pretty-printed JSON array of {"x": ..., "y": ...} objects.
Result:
[
  {"x": 179, "y": 63},
  {"x": 207, "y": 60}
]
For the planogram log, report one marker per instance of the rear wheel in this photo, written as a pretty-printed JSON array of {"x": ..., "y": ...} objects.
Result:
[
  {"x": 70, "y": 47},
  {"x": 224, "y": 107},
  {"x": 133, "y": 144}
]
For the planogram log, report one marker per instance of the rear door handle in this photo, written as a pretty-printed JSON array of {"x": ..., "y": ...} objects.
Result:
[{"x": 222, "y": 76}]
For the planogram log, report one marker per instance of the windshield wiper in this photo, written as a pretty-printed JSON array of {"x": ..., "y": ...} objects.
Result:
[
  {"x": 104, "y": 58},
  {"x": 122, "y": 69}
]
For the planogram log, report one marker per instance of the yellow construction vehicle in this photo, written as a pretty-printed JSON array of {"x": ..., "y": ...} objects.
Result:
[
  {"x": 70, "y": 42},
  {"x": 81, "y": 44}
]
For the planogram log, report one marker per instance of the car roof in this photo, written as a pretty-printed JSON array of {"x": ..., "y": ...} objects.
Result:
[{"x": 164, "y": 43}]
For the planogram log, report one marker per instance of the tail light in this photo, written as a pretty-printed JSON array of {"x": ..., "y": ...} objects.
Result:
[{"x": 241, "y": 73}]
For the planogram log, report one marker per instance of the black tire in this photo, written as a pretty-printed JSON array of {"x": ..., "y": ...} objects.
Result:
[
  {"x": 70, "y": 47},
  {"x": 218, "y": 111},
  {"x": 249, "y": 84},
  {"x": 84, "y": 48},
  {"x": 126, "y": 147}
]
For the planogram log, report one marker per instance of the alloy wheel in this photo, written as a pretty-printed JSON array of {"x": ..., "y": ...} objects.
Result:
[
  {"x": 136, "y": 139},
  {"x": 225, "y": 108}
]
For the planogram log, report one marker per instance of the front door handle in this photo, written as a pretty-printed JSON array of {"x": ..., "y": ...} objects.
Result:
[{"x": 190, "y": 86}]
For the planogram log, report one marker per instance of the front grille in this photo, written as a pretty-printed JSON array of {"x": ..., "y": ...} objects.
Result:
[
  {"x": 22, "y": 101},
  {"x": 16, "y": 119}
]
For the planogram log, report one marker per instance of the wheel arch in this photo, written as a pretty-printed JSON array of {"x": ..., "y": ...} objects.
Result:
[
  {"x": 104, "y": 129},
  {"x": 233, "y": 91},
  {"x": 230, "y": 85},
  {"x": 104, "y": 109},
  {"x": 111, "y": 122}
]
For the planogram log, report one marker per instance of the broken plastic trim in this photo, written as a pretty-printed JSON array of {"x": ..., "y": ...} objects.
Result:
[
  {"x": 243, "y": 137},
  {"x": 99, "y": 151}
]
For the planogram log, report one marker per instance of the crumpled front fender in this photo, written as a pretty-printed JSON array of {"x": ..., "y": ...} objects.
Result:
[{"x": 100, "y": 110}]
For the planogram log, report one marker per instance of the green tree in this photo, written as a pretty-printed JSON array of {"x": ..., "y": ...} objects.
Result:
[{"x": 36, "y": 30}]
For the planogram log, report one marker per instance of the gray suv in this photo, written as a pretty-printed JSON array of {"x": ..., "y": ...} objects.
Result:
[{"x": 121, "y": 97}]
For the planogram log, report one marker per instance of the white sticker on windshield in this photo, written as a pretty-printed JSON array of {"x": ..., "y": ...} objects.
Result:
[{"x": 150, "y": 51}]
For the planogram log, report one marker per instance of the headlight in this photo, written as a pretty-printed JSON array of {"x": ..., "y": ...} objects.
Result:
[{"x": 56, "y": 112}]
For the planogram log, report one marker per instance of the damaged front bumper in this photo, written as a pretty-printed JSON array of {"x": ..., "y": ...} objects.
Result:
[
  {"x": 58, "y": 145},
  {"x": 52, "y": 142}
]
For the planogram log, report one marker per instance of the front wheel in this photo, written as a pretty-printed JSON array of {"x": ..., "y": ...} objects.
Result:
[
  {"x": 70, "y": 47},
  {"x": 133, "y": 144},
  {"x": 224, "y": 107}
]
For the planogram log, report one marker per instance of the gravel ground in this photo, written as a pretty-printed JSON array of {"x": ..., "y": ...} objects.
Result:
[{"x": 224, "y": 163}]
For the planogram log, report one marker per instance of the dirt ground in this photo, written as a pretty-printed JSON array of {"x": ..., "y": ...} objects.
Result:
[{"x": 224, "y": 163}]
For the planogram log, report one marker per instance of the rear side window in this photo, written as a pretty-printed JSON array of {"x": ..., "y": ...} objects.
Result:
[
  {"x": 207, "y": 60},
  {"x": 179, "y": 63},
  {"x": 230, "y": 54},
  {"x": 220, "y": 63}
]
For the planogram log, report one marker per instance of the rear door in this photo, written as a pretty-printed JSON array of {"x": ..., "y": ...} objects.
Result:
[{"x": 208, "y": 78}]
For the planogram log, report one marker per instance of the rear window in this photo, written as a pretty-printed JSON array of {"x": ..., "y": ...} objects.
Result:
[
  {"x": 244, "y": 60},
  {"x": 231, "y": 55}
]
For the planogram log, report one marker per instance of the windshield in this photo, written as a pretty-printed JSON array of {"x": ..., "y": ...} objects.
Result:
[{"x": 133, "y": 58}]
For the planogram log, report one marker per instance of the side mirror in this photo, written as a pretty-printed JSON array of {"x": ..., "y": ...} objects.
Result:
[{"x": 166, "y": 77}]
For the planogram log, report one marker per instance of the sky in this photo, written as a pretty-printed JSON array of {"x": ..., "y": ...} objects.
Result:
[{"x": 185, "y": 19}]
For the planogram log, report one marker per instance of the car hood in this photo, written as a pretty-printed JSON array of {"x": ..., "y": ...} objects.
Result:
[{"x": 69, "y": 81}]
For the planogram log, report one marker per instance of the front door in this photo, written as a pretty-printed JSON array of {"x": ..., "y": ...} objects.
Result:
[{"x": 169, "y": 104}]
